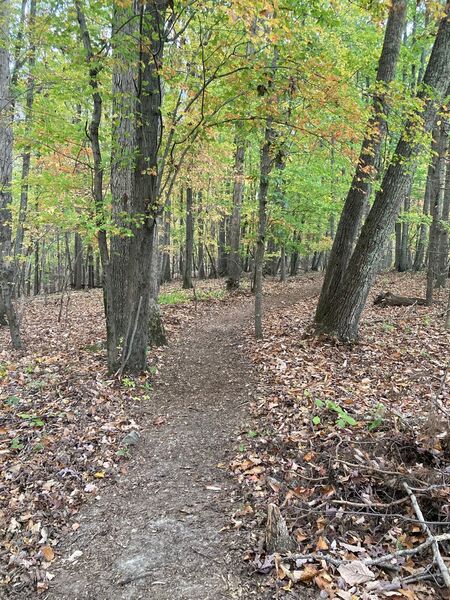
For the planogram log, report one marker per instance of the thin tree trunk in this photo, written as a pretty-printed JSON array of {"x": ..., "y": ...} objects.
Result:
[
  {"x": 367, "y": 166},
  {"x": 37, "y": 269},
  {"x": 283, "y": 275},
  {"x": 405, "y": 263},
  {"x": 341, "y": 315},
  {"x": 265, "y": 169},
  {"x": 165, "y": 274},
  {"x": 189, "y": 241},
  {"x": 157, "y": 333},
  {"x": 440, "y": 136},
  {"x": 223, "y": 257},
  {"x": 78, "y": 262},
  {"x": 234, "y": 259},
  {"x": 201, "y": 236},
  {"x": 419, "y": 259},
  {"x": 444, "y": 248}
]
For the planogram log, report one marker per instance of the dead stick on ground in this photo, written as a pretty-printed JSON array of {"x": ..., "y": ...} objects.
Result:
[
  {"x": 408, "y": 552},
  {"x": 372, "y": 562},
  {"x": 434, "y": 543}
]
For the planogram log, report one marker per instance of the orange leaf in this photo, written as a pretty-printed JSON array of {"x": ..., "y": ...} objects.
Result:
[
  {"x": 322, "y": 544},
  {"x": 48, "y": 553}
]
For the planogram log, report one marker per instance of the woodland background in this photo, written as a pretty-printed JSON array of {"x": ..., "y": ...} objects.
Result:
[{"x": 175, "y": 153}]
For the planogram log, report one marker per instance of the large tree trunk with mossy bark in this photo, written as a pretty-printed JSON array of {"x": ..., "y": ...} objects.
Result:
[
  {"x": 367, "y": 166},
  {"x": 340, "y": 316}
]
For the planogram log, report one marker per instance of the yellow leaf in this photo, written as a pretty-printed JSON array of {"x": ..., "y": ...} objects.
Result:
[{"x": 100, "y": 474}]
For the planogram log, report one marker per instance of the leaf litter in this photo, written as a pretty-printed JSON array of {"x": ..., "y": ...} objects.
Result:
[
  {"x": 66, "y": 426},
  {"x": 336, "y": 432}
]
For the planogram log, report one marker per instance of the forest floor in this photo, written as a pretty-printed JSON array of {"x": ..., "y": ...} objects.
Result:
[{"x": 329, "y": 433}]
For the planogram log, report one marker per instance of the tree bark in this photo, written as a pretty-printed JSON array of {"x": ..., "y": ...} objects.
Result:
[
  {"x": 265, "y": 169},
  {"x": 201, "y": 239},
  {"x": 165, "y": 274},
  {"x": 222, "y": 252},
  {"x": 444, "y": 248},
  {"x": 26, "y": 155},
  {"x": 189, "y": 241},
  {"x": 137, "y": 97},
  {"x": 157, "y": 333},
  {"x": 78, "y": 262},
  {"x": 341, "y": 315},
  {"x": 6, "y": 165},
  {"x": 437, "y": 184},
  {"x": 367, "y": 166},
  {"x": 234, "y": 258}
]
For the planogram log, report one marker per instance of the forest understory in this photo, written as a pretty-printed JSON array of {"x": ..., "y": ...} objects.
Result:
[{"x": 221, "y": 427}]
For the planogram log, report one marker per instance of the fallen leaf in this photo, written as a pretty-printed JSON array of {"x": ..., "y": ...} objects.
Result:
[
  {"x": 48, "y": 553},
  {"x": 355, "y": 572},
  {"x": 322, "y": 544},
  {"x": 306, "y": 574}
]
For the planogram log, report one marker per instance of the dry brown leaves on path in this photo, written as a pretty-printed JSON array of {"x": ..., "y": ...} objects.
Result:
[{"x": 337, "y": 432}]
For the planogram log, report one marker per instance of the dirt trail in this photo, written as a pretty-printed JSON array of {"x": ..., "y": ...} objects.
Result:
[{"x": 157, "y": 533}]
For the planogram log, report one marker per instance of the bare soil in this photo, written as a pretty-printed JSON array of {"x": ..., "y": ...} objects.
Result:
[{"x": 164, "y": 530}]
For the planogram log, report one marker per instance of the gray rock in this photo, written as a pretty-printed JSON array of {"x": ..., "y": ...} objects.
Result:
[{"x": 131, "y": 439}]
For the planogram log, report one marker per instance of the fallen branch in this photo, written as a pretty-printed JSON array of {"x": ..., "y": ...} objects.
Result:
[
  {"x": 378, "y": 470},
  {"x": 433, "y": 540},
  {"x": 389, "y": 299},
  {"x": 408, "y": 552},
  {"x": 381, "y": 561},
  {"x": 371, "y": 504}
]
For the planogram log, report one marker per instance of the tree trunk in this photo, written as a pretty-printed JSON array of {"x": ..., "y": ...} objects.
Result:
[
  {"x": 405, "y": 263},
  {"x": 6, "y": 164},
  {"x": 283, "y": 275},
  {"x": 367, "y": 166},
  {"x": 440, "y": 138},
  {"x": 3, "y": 320},
  {"x": 201, "y": 239},
  {"x": 26, "y": 156},
  {"x": 90, "y": 267},
  {"x": 419, "y": 259},
  {"x": 265, "y": 168},
  {"x": 78, "y": 263},
  {"x": 223, "y": 257},
  {"x": 443, "y": 253},
  {"x": 189, "y": 242},
  {"x": 447, "y": 318},
  {"x": 341, "y": 314},
  {"x": 234, "y": 258},
  {"x": 157, "y": 333},
  {"x": 137, "y": 98},
  {"x": 165, "y": 274},
  {"x": 37, "y": 270}
]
